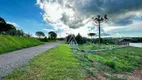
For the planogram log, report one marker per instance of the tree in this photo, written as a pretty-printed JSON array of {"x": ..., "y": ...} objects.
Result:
[
  {"x": 80, "y": 39},
  {"x": 19, "y": 33},
  {"x": 52, "y": 35},
  {"x": 40, "y": 34},
  {"x": 92, "y": 34},
  {"x": 99, "y": 20},
  {"x": 4, "y": 27},
  {"x": 27, "y": 35},
  {"x": 2, "y": 21},
  {"x": 11, "y": 32},
  {"x": 14, "y": 32},
  {"x": 10, "y": 27}
]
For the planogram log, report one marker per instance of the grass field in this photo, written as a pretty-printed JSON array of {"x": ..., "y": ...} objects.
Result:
[
  {"x": 60, "y": 64},
  {"x": 97, "y": 46},
  {"x": 55, "y": 64},
  {"x": 106, "y": 63},
  {"x": 119, "y": 60},
  {"x": 10, "y": 43}
]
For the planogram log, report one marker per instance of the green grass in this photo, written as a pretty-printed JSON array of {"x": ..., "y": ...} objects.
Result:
[
  {"x": 96, "y": 46},
  {"x": 121, "y": 60},
  {"x": 55, "y": 64},
  {"x": 10, "y": 43}
]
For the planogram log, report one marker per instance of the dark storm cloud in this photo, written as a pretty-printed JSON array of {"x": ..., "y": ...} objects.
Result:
[
  {"x": 110, "y": 6},
  {"x": 117, "y": 11},
  {"x": 76, "y": 25},
  {"x": 124, "y": 21},
  {"x": 73, "y": 24},
  {"x": 113, "y": 8}
]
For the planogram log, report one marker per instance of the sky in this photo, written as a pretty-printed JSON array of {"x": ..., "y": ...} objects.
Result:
[{"x": 74, "y": 16}]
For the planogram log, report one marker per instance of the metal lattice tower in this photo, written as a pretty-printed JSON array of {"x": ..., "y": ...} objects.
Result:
[{"x": 72, "y": 41}]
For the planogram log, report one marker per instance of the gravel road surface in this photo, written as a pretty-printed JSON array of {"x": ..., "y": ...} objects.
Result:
[{"x": 11, "y": 60}]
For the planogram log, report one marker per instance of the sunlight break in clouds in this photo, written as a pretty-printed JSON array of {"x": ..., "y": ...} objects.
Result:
[{"x": 74, "y": 16}]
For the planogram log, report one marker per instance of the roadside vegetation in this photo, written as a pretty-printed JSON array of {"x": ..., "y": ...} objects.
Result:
[
  {"x": 61, "y": 63},
  {"x": 90, "y": 46},
  {"x": 105, "y": 65},
  {"x": 119, "y": 60},
  {"x": 12, "y": 38},
  {"x": 10, "y": 43},
  {"x": 55, "y": 64}
]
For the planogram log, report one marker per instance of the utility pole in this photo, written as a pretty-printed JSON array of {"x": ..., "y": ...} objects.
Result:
[{"x": 99, "y": 20}]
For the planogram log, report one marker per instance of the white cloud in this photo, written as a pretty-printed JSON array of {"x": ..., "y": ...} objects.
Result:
[
  {"x": 64, "y": 15},
  {"x": 55, "y": 11},
  {"x": 134, "y": 30},
  {"x": 14, "y": 24},
  {"x": 48, "y": 30}
]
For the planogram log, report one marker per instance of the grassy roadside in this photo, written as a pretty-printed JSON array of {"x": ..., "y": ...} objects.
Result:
[
  {"x": 55, "y": 64},
  {"x": 10, "y": 43},
  {"x": 105, "y": 65}
]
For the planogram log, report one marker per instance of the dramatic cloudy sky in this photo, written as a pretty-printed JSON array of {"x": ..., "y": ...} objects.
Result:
[{"x": 74, "y": 16}]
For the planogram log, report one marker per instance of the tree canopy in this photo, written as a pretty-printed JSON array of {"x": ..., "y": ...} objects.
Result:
[
  {"x": 5, "y": 27},
  {"x": 2, "y": 21},
  {"x": 92, "y": 34},
  {"x": 80, "y": 39},
  {"x": 52, "y": 35},
  {"x": 9, "y": 29},
  {"x": 40, "y": 34}
]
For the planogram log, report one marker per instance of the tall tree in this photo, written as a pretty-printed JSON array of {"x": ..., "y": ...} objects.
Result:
[
  {"x": 52, "y": 35},
  {"x": 40, "y": 34},
  {"x": 79, "y": 39}
]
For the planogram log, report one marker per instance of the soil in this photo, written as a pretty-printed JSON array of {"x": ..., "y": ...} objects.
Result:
[{"x": 136, "y": 75}]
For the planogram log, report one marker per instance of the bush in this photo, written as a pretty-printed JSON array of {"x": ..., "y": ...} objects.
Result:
[
  {"x": 43, "y": 39},
  {"x": 111, "y": 64}
]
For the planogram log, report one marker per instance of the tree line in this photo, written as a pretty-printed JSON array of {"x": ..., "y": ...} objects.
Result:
[
  {"x": 52, "y": 36},
  {"x": 107, "y": 40},
  {"x": 9, "y": 29}
]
